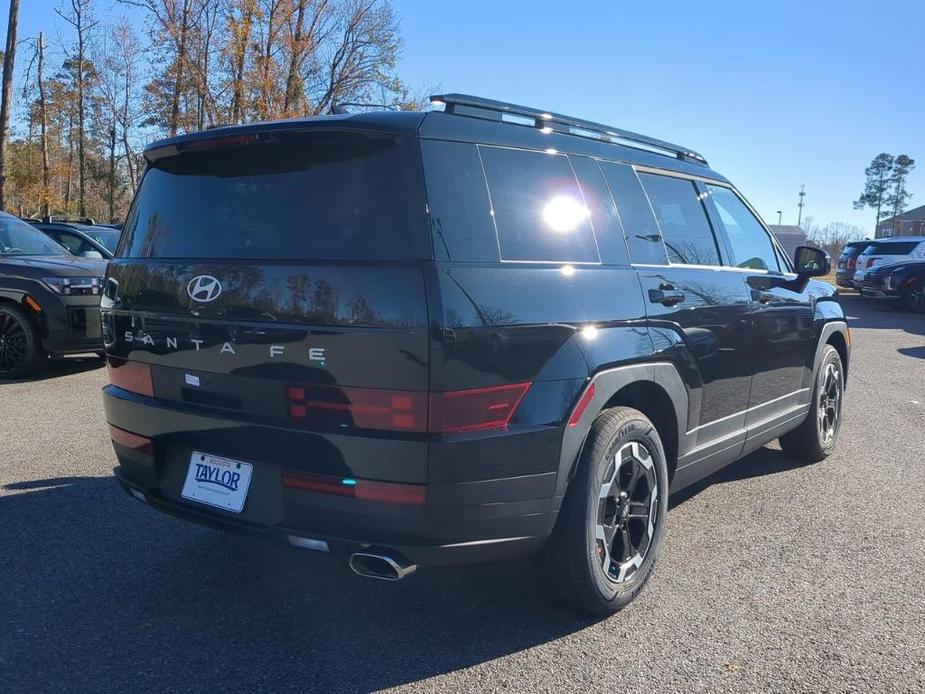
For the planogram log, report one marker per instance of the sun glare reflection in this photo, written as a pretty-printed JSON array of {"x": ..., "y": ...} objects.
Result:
[{"x": 564, "y": 213}]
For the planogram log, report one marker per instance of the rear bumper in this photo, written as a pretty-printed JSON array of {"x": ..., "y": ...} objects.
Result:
[
  {"x": 462, "y": 521},
  {"x": 844, "y": 279}
]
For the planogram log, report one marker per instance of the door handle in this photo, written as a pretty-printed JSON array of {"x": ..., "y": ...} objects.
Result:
[
  {"x": 762, "y": 297},
  {"x": 666, "y": 295}
]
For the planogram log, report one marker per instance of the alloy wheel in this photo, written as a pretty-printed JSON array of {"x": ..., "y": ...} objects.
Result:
[
  {"x": 13, "y": 343},
  {"x": 627, "y": 512},
  {"x": 917, "y": 299},
  {"x": 828, "y": 409}
]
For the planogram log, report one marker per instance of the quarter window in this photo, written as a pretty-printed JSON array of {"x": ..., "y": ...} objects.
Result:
[
  {"x": 682, "y": 220},
  {"x": 539, "y": 211},
  {"x": 750, "y": 244}
]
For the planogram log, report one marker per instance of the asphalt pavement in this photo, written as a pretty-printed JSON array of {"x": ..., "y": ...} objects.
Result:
[{"x": 775, "y": 576}]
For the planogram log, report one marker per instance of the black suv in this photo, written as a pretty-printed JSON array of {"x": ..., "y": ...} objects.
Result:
[
  {"x": 49, "y": 300},
  {"x": 444, "y": 337},
  {"x": 903, "y": 283},
  {"x": 82, "y": 237}
]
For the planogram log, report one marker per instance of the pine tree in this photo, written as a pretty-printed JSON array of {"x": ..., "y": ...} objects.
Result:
[
  {"x": 876, "y": 187},
  {"x": 899, "y": 196}
]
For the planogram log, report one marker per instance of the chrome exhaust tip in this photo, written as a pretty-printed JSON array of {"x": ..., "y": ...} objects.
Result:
[{"x": 374, "y": 564}]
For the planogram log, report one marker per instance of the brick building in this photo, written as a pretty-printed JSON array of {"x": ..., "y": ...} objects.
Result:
[{"x": 910, "y": 223}]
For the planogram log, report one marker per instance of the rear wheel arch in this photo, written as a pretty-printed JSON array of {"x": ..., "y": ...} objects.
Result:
[
  {"x": 655, "y": 389},
  {"x": 653, "y": 401}
]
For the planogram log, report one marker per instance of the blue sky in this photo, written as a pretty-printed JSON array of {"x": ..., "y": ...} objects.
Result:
[{"x": 774, "y": 94}]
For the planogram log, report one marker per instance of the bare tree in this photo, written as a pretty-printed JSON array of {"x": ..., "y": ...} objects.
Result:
[
  {"x": 365, "y": 47},
  {"x": 240, "y": 22},
  {"x": 43, "y": 120},
  {"x": 172, "y": 22},
  {"x": 80, "y": 17},
  {"x": 118, "y": 60},
  {"x": 833, "y": 236},
  {"x": 9, "y": 58},
  {"x": 205, "y": 36}
]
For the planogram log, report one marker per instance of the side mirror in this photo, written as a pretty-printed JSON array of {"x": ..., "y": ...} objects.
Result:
[{"x": 811, "y": 262}]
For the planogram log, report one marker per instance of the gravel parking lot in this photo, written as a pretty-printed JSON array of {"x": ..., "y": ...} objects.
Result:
[{"x": 774, "y": 576}]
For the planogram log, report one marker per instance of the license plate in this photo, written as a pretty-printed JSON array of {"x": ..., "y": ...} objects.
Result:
[{"x": 217, "y": 481}]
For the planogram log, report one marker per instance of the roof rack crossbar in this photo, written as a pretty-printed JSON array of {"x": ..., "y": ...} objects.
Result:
[{"x": 466, "y": 105}]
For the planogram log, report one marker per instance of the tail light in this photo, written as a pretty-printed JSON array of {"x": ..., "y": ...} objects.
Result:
[
  {"x": 329, "y": 407},
  {"x": 852, "y": 263},
  {"x": 870, "y": 262},
  {"x": 474, "y": 409},
  {"x": 387, "y": 492},
  {"x": 218, "y": 142},
  {"x": 130, "y": 375}
]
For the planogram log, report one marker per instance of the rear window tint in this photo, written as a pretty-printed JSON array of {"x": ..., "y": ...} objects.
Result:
[
  {"x": 897, "y": 248},
  {"x": 539, "y": 210},
  {"x": 457, "y": 198},
  {"x": 331, "y": 196}
]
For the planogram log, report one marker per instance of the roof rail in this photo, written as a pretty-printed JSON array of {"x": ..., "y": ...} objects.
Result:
[{"x": 478, "y": 107}]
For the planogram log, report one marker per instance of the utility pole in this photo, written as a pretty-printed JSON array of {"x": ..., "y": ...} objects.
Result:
[
  {"x": 780, "y": 216},
  {"x": 800, "y": 206}
]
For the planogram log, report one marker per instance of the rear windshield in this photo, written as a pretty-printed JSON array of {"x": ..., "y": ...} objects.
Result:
[
  {"x": 896, "y": 248},
  {"x": 851, "y": 251},
  {"x": 329, "y": 196}
]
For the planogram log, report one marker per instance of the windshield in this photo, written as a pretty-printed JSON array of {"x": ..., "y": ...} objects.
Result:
[
  {"x": 19, "y": 238},
  {"x": 332, "y": 196},
  {"x": 104, "y": 237}
]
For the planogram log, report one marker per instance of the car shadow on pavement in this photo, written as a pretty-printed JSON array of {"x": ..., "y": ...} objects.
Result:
[
  {"x": 101, "y": 592},
  {"x": 764, "y": 461},
  {"x": 65, "y": 366},
  {"x": 916, "y": 352}
]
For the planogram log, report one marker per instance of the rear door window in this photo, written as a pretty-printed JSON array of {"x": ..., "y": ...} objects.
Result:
[
  {"x": 539, "y": 211},
  {"x": 682, "y": 220},
  {"x": 643, "y": 239},
  {"x": 320, "y": 195}
]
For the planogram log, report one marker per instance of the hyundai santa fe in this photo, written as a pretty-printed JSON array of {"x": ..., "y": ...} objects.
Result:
[{"x": 481, "y": 332}]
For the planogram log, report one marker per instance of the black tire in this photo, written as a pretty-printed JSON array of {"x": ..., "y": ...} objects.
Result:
[
  {"x": 816, "y": 437},
  {"x": 20, "y": 346},
  {"x": 575, "y": 557},
  {"x": 913, "y": 298}
]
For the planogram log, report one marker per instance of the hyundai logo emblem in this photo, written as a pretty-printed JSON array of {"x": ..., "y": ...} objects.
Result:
[{"x": 204, "y": 288}]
